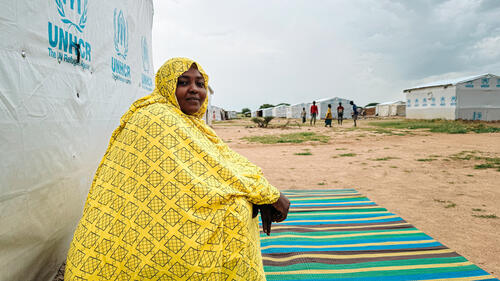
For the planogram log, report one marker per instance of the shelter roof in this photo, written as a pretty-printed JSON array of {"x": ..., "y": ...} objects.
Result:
[
  {"x": 391, "y": 102},
  {"x": 450, "y": 82}
]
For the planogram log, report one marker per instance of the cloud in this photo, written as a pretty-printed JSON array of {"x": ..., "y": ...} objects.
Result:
[{"x": 295, "y": 51}]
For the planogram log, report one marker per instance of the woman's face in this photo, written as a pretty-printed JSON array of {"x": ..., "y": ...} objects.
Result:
[{"x": 191, "y": 92}]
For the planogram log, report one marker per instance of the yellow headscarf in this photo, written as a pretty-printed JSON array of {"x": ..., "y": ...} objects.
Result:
[{"x": 170, "y": 200}]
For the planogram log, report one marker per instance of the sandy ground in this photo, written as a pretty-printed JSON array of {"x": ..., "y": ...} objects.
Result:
[{"x": 438, "y": 194}]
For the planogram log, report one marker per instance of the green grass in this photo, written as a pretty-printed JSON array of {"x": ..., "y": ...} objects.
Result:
[
  {"x": 449, "y": 204},
  {"x": 347, "y": 155},
  {"x": 385, "y": 158},
  {"x": 488, "y": 162},
  {"x": 341, "y": 148},
  {"x": 438, "y": 126},
  {"x": 484, "y": 166},
  {"x": 426, "y": 159},
  {"x": 321, "y": 183},
  {"x": 492, "y": 216},
  {"x": 477, "y": 210},
  {"x": 288, "y": 138},
  {"x": 303, "y": 153}
]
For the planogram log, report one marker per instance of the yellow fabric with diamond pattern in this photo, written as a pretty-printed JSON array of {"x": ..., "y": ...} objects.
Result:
[{"x": 170, "y": 200}]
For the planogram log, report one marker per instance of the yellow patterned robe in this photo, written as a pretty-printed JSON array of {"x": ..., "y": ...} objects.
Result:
[{"x": 170, "y": 200}]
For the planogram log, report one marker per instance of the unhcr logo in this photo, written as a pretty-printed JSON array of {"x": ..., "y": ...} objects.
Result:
[
  {"x": 64, "y": 45},
  {"x": 146, "y": 81},
  {"x": 76, "y": 15},
  {"x": 121, "y": 70},
  {"x": 121, "y": 34}
]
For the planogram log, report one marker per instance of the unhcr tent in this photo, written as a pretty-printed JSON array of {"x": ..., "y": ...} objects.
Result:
[
  {"x": 279, "y": 111},
  {"x": 469, "y": 98},
  {"x": 69, "y": 70},
  {"x": 267, "y": 112},
  {"x": 323, "y": 107},
  {"x": 294, "y": 110},
  {"x": 393, "y": 108}
]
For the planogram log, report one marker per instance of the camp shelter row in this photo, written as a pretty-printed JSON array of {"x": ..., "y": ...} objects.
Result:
[
  {"x": 468, "y": 98},
  {"x": 295, "y": 110}
]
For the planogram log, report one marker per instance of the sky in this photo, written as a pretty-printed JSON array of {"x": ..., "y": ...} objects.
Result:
[{"x": 293, "y": 51}]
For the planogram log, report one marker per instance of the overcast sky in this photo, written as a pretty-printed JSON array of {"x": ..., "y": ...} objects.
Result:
[{"x": 292, "y": 51}]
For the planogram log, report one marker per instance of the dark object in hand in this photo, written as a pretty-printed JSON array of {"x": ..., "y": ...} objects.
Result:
[{"x": 269, "y": 213}]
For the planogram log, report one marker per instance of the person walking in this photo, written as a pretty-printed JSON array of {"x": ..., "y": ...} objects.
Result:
[
  {"x": 354, "y": 112},
  {"x": 328, "y": 117},
  {"x": 303, "y": 114},
  {"x": 340, "y": 114},
  {"x": 314, "y": 113}
]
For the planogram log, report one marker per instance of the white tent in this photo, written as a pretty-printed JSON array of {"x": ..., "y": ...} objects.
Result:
[
  {"x": 393, "y": 108},
  {"x": 279, "y": 111},
  {"x": 267, "y": 112},
  {"x": 208, "y": 116},
  {"x": 232, "y": 114},
  {"x": 70, "y": 69},
  {"x": 323, "y": 107},
  {"x": 218, "y": 114},
  {"x": 470, "y": 98},
  {"x": 295, "y": 110}
]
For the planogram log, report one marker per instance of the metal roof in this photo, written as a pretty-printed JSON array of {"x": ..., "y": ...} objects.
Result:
[{"x": 450, "y": 82}]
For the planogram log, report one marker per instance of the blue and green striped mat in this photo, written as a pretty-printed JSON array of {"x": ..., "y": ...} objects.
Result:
[{"x": 341, "y": 234}]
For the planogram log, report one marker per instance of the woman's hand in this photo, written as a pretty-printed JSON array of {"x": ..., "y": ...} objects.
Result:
[
  {"x": 281, "y": 208},
  {"x": 269, "y": 213}
]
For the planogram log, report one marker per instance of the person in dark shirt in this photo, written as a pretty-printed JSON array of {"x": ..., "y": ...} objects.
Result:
[
  {"x": 340, "y": 113},
  {"x": 354, "y": 112},
  {"x": 314, "y": 113}
]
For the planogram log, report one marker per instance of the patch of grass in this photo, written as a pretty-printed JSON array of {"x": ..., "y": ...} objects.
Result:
[
  {"x": 438, "y": 126},
  {"x": 321, "y": 183},
  {"x": 304, "y": 153},
  {"x": 484, "y": 166},
  {"x": 491, "y": 216},
  {"x": 288, "y": 138},
  {"x": 347, "y": 155},
  {"x": 385, "y": 158},
  {"x": 477, "y": 210},
  {"x": 451, "y": 205},
  {"x": 341, "y": 148},
  {"x": 470, "y": 175},
  {"x": 394, "y": 167},
  {"x": 425, "y": 159}
]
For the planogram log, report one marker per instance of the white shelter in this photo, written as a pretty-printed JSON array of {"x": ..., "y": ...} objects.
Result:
[
  {"x": 218, "y": 114},
  {"x": 323, "y": 107},
  {"x": 70, "y": 70},
  {"x": 392, "y": 108},
  {"x": 469, "y": 98},
  {"x": 232, "y": 114},
  {"x": 208, "y": 116},
  {"x": 267, "y": 112},
  {"x": 294, "y": 110},
  {"x": 279, "y": 111}
]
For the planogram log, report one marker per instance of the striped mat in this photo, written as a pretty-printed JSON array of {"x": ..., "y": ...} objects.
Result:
[{"x": 341, "y": 234}]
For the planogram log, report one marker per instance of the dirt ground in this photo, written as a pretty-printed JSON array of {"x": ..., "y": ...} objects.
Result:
[{"x": 421, "y": 176}]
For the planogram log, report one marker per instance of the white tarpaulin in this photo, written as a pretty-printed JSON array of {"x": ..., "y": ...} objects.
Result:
[
  {"x": 469, "y": 98},
  {"x": 68, "y": 70}
]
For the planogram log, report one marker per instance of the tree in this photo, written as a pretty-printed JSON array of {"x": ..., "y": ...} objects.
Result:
[
  {"x": 245, "y": 110},
  {"x": 266, "y": 105},
  {"x": 283, "y": 103},
  {"x": 262, "y": 122},
  {"x": 371, "y": 104}
]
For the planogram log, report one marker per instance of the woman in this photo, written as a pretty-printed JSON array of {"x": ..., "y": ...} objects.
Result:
[
  {"x": 170, "y": 200},
  {"x": 328, "y": 117}
]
